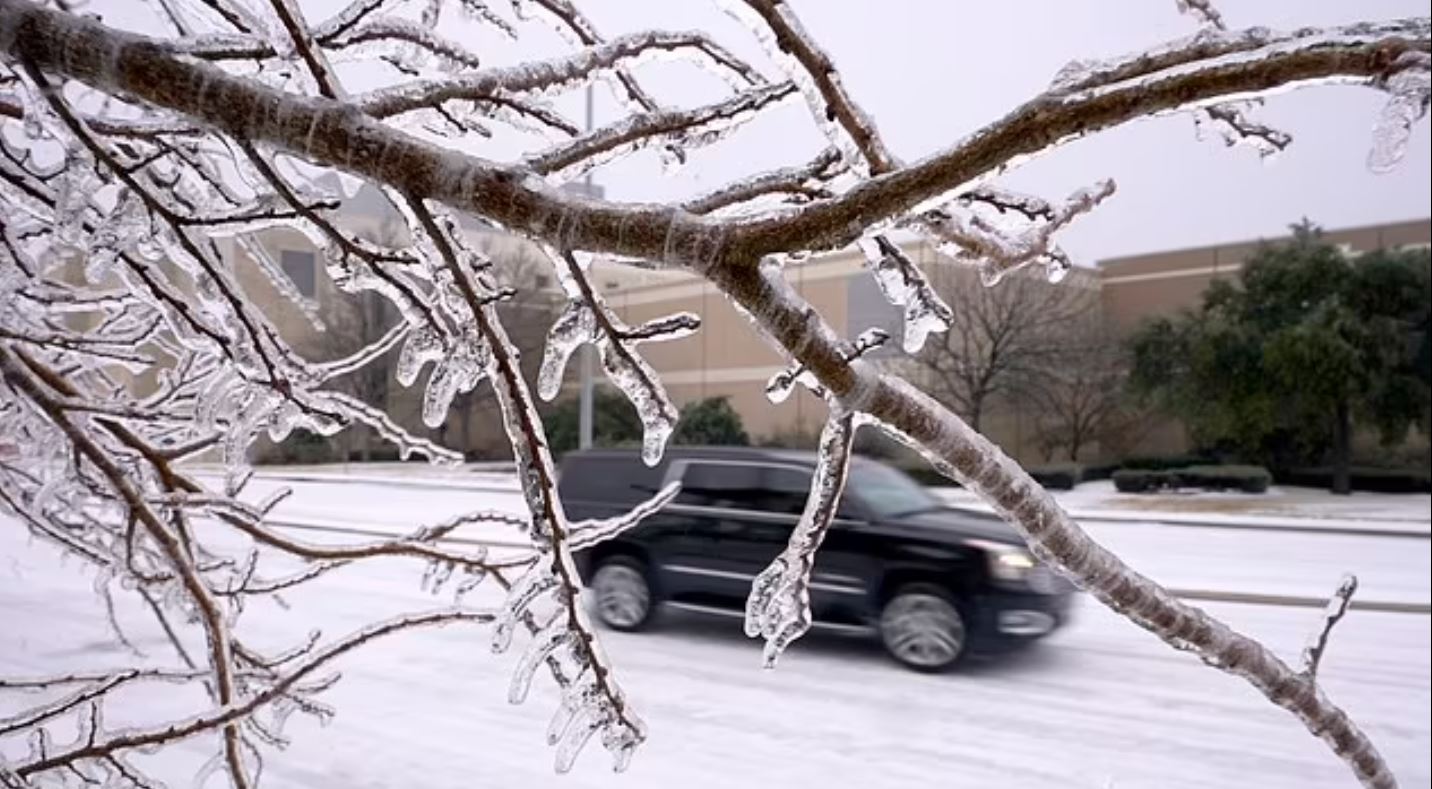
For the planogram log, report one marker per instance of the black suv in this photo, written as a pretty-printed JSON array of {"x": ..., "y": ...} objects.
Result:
[{"x": 934, "y": 582}]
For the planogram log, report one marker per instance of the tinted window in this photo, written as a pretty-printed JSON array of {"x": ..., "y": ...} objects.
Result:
[
  {"x": 788, "y": 490},
  {"x": 612, "y": 479},
  {"x": 746, "y": 486},
  {"x": 885, "y": 491}
]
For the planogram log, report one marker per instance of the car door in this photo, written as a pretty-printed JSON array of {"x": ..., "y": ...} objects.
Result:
[
  {"x": 839, "y": 578},
  {"x": 707, "y": 560}
]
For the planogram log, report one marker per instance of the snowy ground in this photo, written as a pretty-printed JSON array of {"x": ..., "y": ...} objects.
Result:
[
  {"x": 1101, "y": 704},
  {"x": 1306, "y": 508},
  {"x": 1266, "y": 562}
]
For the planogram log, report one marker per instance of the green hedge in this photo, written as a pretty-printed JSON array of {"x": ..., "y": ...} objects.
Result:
[
  {"x": 1056, "y": 476},
  {"x": 1163, "y": 462},
  {"x": 303, "y": 448},
  {"x": 1365, "y": 478},
  {"x": 1249, "y": 479}
]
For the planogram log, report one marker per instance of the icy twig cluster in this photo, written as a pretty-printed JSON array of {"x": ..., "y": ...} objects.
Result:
[
  {"x": 778, "y": 609},
  {"x": 129, "y": 166}
]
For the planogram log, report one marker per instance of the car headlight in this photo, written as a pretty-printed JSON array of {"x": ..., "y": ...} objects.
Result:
[{"x": 1007, "y": 562}]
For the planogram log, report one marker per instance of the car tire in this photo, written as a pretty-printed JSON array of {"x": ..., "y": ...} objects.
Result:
[
  {"x": 922, "y": 628},
  {"x": 622, "y": 596}
]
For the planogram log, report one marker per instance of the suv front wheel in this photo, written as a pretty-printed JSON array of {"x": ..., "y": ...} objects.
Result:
[
  {"x": 621, "y": 594},
  {"x": 921, "y": 627}
]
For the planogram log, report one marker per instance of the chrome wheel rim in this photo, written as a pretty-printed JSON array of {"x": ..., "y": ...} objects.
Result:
[
  {"x": 621, "y": 595},
  {"x": 922, "y": 630}
]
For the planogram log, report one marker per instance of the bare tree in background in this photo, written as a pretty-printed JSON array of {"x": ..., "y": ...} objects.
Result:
[
  {"x": 130, "y": 151},
  {"x": 1078, "y": 391},
  {"x": 1000, "y": 339}
]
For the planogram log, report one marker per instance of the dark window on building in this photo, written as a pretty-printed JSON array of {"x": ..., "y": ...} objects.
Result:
[{"x": 300, "y": 267}]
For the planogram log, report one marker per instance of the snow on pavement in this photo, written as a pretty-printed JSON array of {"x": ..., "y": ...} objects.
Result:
[{"x": 1101, "y": 704}]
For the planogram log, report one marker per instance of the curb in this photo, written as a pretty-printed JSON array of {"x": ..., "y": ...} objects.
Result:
[{"x": 1295, "y": 601}]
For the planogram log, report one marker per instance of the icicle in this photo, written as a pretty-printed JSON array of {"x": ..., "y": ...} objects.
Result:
[
  {"x": 635, "y": 377},
  {"x": 575, "y": 326},
  {"x": 580, "y": 695},
  {"x": 903, "y": 285},
  {"x": 528, "y": 588},
  {"x": 423, "y": 345},
  {"x": 1407, "y": 104},
  {"x": 585, "y": 534},
  {"x": 778, "y": 608},
  {"x": 585, "y": 722},
  {"x": 547, "y": 640}
]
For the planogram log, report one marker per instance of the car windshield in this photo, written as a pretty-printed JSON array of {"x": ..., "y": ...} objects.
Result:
[{"x": 886, "y": 492}]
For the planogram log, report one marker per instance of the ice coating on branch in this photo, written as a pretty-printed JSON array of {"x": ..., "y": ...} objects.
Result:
[
  {"x": 587, "y": 319},
  {"x": 904, "y": 285},
  {"x": 423, "y": 345},
  {"x": 780, "y": 386},
  {"x": 574, "y": 327},
  {"x": 778, "y": 608},
  {"x": 585, "y": 534},
  {"x": 1407, "y": 103},
  {"x": 546, "y": 641},
  {"x": 415, "y": 46},
  {"x": 528, "y": 588},
  {"x": 1210, "y": 48},
  {"x": 997, "y": 233},
  {"x": 460, "y": 371},
  {"x": 822, "y": 114},
  {"x": 1234, "y": 125},
  {"x": 675, "y": 129}
]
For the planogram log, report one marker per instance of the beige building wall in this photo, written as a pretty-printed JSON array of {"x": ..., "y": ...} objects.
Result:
[{"x": 728, "y": 358}]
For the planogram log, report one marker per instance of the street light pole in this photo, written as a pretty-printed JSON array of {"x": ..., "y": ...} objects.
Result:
[{"x": 584, "y": 405}]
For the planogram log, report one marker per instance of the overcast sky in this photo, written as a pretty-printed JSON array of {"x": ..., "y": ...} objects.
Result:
[{"x": 932, "y": 71}]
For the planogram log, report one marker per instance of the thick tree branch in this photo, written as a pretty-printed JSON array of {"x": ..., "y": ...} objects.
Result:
[{"x": 337, "y": 135}]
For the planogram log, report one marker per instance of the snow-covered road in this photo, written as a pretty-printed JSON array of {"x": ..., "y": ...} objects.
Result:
[
  {"x": 1101, "y": 704},
  {"x": 1265, "y": 562}
]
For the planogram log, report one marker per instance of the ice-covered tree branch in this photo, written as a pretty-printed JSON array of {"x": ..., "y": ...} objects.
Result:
[
  {"x": 1336, "y": 610},
  {"x": 228, "y": 714},
  {"x": 336, "y": 134},
  {"x": 238, "y": 112},
  {"x": 778, "y": 609}
]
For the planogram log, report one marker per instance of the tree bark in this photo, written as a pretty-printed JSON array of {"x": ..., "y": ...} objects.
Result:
[{"x": 1342, "y": 450}]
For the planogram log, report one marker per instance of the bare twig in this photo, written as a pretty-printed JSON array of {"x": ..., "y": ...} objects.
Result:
[
  {"x": 1336, "y": 610},
  {"x": 228, "y": 714}
]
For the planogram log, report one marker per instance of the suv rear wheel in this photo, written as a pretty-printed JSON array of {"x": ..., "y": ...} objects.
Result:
[
  {"x": 921, "y": 627},
  {"x": 621, "y": 594}
]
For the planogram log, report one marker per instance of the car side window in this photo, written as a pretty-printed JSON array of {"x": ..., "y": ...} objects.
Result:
[
  {"x": 786, "y": 490},
  {"x": 727, "y": 485}
]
